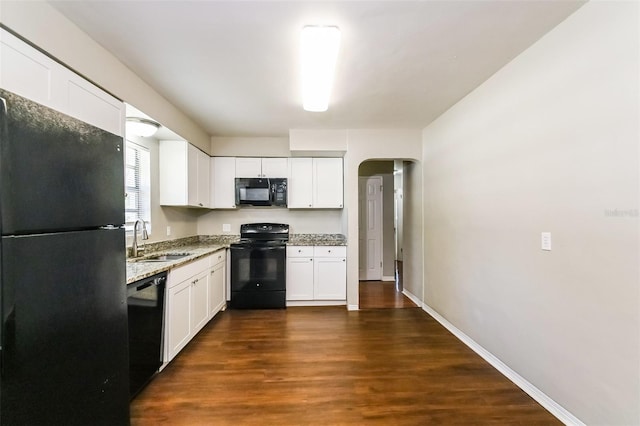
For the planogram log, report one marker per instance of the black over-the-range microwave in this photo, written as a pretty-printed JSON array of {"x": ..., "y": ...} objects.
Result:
[{"x": 261, "y": 192}]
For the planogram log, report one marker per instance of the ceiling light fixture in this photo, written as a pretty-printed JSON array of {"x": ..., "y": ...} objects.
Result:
[
  {"x": 318, "y": 51},
  {"x": 142, "y": 127}
]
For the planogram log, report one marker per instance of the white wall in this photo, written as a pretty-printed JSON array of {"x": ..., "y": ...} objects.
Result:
[
  {"x": 44, "y": 26},
  {"x": 549, "y": 143},
  {"x": 376, "y": 144}
]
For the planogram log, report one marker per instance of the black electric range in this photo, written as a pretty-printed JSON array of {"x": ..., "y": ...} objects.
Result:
[{"x": 258, "y": 266}]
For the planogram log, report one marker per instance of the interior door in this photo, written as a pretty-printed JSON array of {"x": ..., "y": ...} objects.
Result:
[{"x": 371, "y": 228}]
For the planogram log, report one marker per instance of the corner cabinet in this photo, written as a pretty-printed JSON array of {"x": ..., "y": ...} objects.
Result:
[
  {"x": 184, "y": 175},
  {"x": 196, "y": 293},
  {"x": 32, "y": 74},
  {"x": 316, "y": 275},
  {"x": 315, "y": 183}
]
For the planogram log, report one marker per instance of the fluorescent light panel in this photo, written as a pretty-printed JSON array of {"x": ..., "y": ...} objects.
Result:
[{"x": 319, "y": 51}]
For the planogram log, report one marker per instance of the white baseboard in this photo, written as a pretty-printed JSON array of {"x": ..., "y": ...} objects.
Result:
[
  {"x": 316, "y": 303},
  {"x": 353, "y": 307},
  {"x": 412, "y": 296},
  {"x": 388, "y": 278},
  {"x": 553, "y": 407}
]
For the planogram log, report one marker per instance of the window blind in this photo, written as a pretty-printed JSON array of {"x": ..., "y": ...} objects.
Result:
[{"x": 137, "y": 185}]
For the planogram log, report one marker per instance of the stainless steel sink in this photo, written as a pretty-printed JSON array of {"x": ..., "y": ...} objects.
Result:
[{"x": 163, "y": 257}]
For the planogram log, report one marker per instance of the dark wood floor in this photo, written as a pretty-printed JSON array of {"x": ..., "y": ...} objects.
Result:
[
  {"x": 328, "y": 366},
  {"x": 382, "y": 295}
]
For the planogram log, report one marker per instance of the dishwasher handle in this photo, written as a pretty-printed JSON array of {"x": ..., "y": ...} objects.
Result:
[
  {"x": 157, "y": 281},
  {"x": 146, "y": 283}
]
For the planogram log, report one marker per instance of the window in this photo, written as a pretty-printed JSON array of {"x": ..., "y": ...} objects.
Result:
[{"x": 137, "y": 188}]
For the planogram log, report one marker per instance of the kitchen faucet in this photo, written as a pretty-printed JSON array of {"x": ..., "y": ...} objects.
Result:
[{"x": 135, "y": 251}]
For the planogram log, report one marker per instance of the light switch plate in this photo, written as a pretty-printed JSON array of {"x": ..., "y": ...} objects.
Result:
[
  {"x": 168, "y": 231},
  {"x": 226, "y": 227},
  {"x": 545, "y": 239}
]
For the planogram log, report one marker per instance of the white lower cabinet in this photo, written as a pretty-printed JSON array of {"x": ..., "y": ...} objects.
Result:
[
  {"x": 195, "y": 293},
  {"x": 300, "y": 273},
  {"x": 217, "y": 277},
  {"x": 316, "y": 273},
  {"x": 330, "y": 278},
  {"x": 199, "y": 313},
  {"x": 178, "y": 322}
]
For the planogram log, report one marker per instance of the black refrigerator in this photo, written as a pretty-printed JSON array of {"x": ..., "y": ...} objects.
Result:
[{"x": 64, "y": 343}]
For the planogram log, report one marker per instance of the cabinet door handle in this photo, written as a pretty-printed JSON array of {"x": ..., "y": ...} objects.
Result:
[{"x": 200, "y": 204}]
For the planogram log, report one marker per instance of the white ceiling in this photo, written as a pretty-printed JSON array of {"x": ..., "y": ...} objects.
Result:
[{"x": 232, "y": 65}]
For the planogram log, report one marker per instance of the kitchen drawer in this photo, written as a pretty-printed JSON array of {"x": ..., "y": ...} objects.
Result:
[
  {"x": 184, "y": 272},
  {"x": 329, "y": 251},
  {"x": 299, "y": 251},
  {"x": 217, "y": 257}
]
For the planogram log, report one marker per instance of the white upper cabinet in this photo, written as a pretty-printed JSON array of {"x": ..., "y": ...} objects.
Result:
[
  {"x": 327, "y": 183},
  {"x": 223, "y": 172},
  {"x": 252, "y": 167},
  {"x": 248, "y": 167},
  {"x": 88, "y": 103},
  {"x": 315, "y": 183},
  {"x": 275, "y": 167},
  {"x": 203, "y": 178},
  {"x": 300, "y": 183},
  {"x": 30, "y": 73},
  {"x": 184, "y": 175}
]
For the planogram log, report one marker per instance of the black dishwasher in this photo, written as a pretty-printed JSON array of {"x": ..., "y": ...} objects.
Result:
[{"x": 145, "y": 303}]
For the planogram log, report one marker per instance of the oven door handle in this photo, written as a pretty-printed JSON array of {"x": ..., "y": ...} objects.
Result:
[{"x": 260, "y": 248}]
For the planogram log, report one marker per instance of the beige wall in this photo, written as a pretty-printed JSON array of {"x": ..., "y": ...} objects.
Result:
[
  {"x": 249, "y": 147},
  {"x": 376, "y": 144},
  {"x": 44, "y": 26},
  {"x": 549, "y": 143}
]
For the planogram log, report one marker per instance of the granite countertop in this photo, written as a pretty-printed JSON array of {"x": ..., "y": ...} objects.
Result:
[
  {"x": 201, "y": 246},
  {"x": 317, "y": 240},
  {"x": 197, "y": 247}
]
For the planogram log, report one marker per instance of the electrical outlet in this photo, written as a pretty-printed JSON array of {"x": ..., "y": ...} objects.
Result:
[
  {"x": 226, "y": 227},
  {"x": 545, "y": 239},
  {"x": 168, "y": 231}
]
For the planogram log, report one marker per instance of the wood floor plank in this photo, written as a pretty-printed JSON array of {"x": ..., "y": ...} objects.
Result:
[
  {"x": 382, "y": 295},
  {"x": 329, "y": 366}
]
